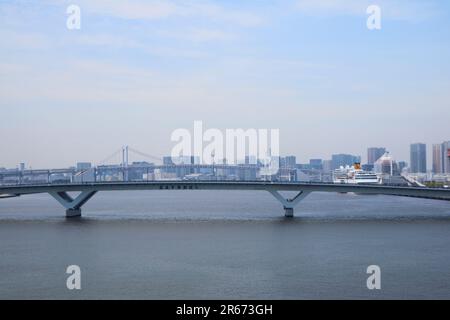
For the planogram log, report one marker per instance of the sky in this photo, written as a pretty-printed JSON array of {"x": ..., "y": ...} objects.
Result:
[{"x": 138, "y": 70}]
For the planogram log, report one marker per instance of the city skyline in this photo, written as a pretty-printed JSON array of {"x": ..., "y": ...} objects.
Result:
[
  {"x": 438, "y": 157},
  {"x": 134, "y": 76}
]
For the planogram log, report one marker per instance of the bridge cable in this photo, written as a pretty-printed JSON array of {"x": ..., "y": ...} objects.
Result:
[{"x": 144, "y": 154}]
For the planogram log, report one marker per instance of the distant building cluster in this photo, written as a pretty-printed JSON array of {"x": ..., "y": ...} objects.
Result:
[
  {"x": 379, "y": 162},
  {"x": 441, "y": 158}
]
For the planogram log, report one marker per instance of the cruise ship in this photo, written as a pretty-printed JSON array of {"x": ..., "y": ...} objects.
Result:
[{"x": 355, "y": 175}]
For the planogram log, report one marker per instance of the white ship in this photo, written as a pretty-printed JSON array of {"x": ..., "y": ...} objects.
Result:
[{"x": 355, "y": 175}]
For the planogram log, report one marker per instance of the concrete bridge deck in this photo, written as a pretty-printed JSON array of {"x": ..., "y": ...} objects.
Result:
[{"x": 88, "y": 190}]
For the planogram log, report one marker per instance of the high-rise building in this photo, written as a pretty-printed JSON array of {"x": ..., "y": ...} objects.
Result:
[
  {"x": 85, "y": 172},
  {"x": 327, "y": 165},
  {"x": 287, "y": 162},
  {"x": 373, "y": 154},
  {"x": 250, "y": 160},
  {"x": 315, "y": 164},
  {"x": 438, "y": 165},
  {"x": 446, "y": 157},
  {"x": 344, "y": 160},
  {"x": 386, "y": 165},
  {"x": 83, "y": 166},
  {"x": 418, "y": 154},
  {"x": 291, "y": 161},
  {"x": 367, "y": 167},
  {"x": 402, "y": 165},
  {"x": 167, "y": 160}
]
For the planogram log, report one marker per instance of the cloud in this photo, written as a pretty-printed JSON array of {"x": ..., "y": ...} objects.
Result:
[
  {"x": 216, "y": 12},
  {"x": 103, "y": 40},
  {"x": 87, "y": 81},
  {"x": 408, "y": 10},
  {"x": 158, "y": 9},
  {"x": 171, "y": 52},
  {"x": 22, "y": 40},
  {"x": 331, "y": 7},
  {"x": 199, "y": 35},
  {"x": 133, "y": 9},
  {"x": 116, "y": 41}
]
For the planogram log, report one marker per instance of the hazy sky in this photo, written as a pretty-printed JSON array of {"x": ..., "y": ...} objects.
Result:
[{"x": 137, "y": 70}]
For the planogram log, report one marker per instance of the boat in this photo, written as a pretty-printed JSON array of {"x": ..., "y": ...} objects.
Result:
[{"x": 355, "y": 175}]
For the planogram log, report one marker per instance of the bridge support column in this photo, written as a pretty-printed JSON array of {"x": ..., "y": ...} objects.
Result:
[
  {"x": 288, "y": 212},
  {"x": 70, "y": 213},
  {"x": 73, "y": 206},
  {"x": 289, "y": 204}
]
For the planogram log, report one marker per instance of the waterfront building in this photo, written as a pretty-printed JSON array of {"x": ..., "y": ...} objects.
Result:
[
  {"x": 446, "y": 157},
  {"x": 315, "y": 164},
  {"x": 418, "y": 158},
  {"x": 373, "y": 154},
  {"x": 438, "y": 164},
  {"x": 386, "y": 165},
  {"x": 344, "y": 160}
]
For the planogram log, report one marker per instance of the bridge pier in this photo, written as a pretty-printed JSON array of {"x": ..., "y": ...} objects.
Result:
[
  {"x": 289, "y": 204},
  {"x": 73, "y": 206},
  {"x": 288, "y": 212},
  {"x": 71, "y": 213}
]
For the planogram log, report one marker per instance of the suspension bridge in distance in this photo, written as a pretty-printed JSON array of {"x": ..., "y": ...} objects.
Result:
[
  {"x": 124, "y": 171},
  {"x": 86, "y": 191}
]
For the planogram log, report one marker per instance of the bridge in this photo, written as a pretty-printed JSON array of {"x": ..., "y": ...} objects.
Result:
[
  {"x": 86, "y": 191},
  {"x": 125, "y": 171}
]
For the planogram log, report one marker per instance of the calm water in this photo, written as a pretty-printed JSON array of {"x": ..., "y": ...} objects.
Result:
[{"x": 210, "y": 244}]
